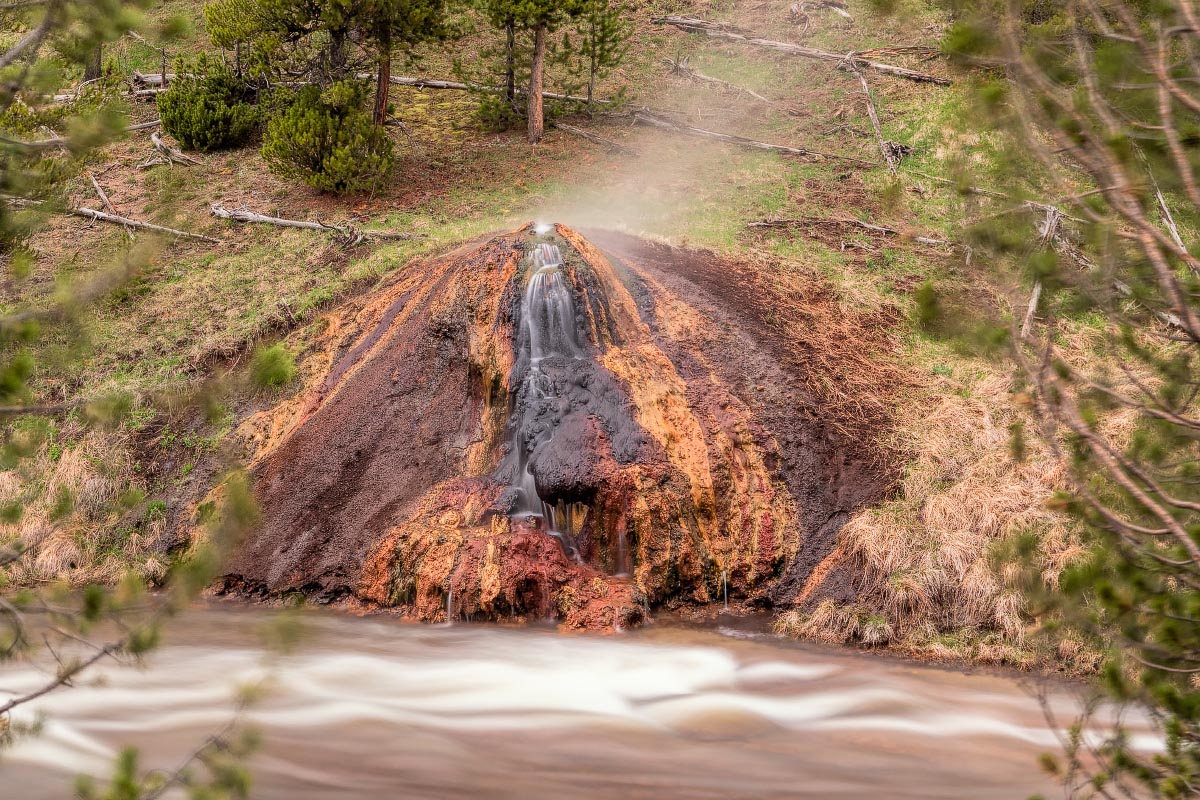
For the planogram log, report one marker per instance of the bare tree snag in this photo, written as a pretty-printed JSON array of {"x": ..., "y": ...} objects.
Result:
[
  {"x": 349, "y": 233},
  {"x": 162, "y": 51},
  {"x": 536, "y": 74},
  {"x": 100, "y": 216},
  {"x": 591, "y": 137},
  {"x": 646, "y": 118},
  {"x": 716, "y": 31},
  {"x": 683, "y": 69}
]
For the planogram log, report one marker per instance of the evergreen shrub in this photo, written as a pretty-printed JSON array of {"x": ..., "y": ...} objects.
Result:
[
  {"x": 327, "y": 140},
  {"x": 208, "y": 107}
]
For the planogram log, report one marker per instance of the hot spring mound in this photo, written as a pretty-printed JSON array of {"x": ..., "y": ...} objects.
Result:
[{"x": 539, "y": 425}]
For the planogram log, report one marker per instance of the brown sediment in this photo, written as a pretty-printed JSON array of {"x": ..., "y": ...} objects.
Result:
[{"x": 715, "y": 427}]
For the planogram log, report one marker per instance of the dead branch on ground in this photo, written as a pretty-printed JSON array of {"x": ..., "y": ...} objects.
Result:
[
  {"x": 167, "y": 154},
  {"x": 591, "y": 137},
  {"x": 108, "y": 206},
  {"x": 800, "y": 15},
  {"x": 682, "y": 68},
  {"x": 892, "y": 151},
  {"x": 349, "y": 234},
  {"x": 717, "y": 31},
  {"x": 101, "y": 216},
  {"x": 645, "y": 117},
  {"x": 847, "y": 222}
]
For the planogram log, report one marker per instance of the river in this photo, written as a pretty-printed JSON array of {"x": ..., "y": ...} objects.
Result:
[{"x": 373, "y": 708}]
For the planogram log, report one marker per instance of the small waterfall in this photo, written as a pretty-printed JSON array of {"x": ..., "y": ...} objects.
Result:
[
  {"x": 623, "y": 567},
  {"x": 548, "y": 319},
  {"x": 725, "y": 587},
  {"x": 449, "y": 605}
]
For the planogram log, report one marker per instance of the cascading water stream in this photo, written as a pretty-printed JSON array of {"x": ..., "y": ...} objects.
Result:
[{"x": 548, "y": 318}]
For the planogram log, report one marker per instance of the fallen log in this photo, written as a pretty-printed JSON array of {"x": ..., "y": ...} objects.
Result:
[
  {"x": 682, "y": 68},
  {"x": 350, "y": 233},
  {"x": 152, "y": 78},
  {"x": 593, "y": 138},
  {"x": 100, "y": 216},
  {"x": 104, "y": 201},
  {"x": 717, "y": 31},
  {"x": 57, "y": 141},
  {"x": 136, "y": 94},
  {"x": 170, "y": 153},
  {"x": 849, "y": 221},
  {"x": 891, "y": 151},
  {"x": 434, "y": 83},
  {"x": 646, "y": 118}
]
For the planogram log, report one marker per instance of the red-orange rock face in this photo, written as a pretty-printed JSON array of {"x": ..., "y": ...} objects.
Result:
[{"x": 680, "y": 442}]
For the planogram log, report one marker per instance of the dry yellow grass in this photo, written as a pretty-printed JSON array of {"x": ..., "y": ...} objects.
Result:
[
  {"x": 923, "y": 562},
  {"x": 70, "y": 523}
]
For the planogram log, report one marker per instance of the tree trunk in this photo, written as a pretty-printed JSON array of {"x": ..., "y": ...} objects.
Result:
[
  {"x": 93, "y": 67},
  {"x": 383, "y": 82},
  {"x": 337, "y": 55},
  {"x": 510, "y": 63},
  {"x": 593, "y": 67},
  {"x": 536, "y": 122}
]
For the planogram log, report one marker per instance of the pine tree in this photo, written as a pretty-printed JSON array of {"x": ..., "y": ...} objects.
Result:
[
  {"x": 540, "y": 18},
  {"x": 399, "y": 24},
  {"x": 326, "y": 41},
  {"x": 601, "y": 42}
]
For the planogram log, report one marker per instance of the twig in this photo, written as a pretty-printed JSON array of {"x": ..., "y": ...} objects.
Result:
[
  {"x": 717, "y": 31},
  {"x": 646, "y": 118},
  {"x": 33, "y": 38},
  {"x": 64, "y": 677}
]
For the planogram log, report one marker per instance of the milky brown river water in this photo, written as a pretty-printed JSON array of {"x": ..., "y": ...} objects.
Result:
[{"x": 373, "y": 708}]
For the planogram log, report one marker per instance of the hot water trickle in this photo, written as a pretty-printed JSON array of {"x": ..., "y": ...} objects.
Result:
[{"x": 548, "y": 319}]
